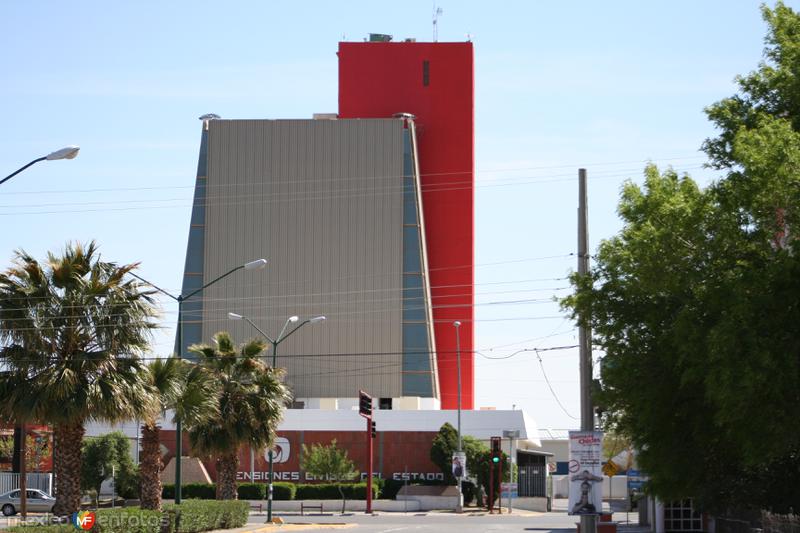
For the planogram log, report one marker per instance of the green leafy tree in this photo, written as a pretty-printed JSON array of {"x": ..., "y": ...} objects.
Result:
[
  {"x": 72, "y": 331},
  {"x": 329, "y": 462},
  {"x": 696, "y": 302},
  {"x": 186, "y": 389},
  {"x": 250, "y": 397},
  {"x": 106, "y": 456},
  {"x": 445, "y": 443}
]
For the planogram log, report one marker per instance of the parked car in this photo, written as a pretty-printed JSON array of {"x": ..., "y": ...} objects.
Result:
[{"x": 38, "y": 502}]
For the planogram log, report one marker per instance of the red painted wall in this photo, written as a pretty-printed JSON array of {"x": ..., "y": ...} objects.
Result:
[
  {"x": 396, "y": 454},
  {"x": 377, "y": 80}
]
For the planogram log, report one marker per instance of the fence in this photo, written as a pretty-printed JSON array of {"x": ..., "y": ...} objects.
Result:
[
  {"x": 43, "y": 482},
  {"x": 780, "y": 523},
  {"x": 765, "y": 522}
]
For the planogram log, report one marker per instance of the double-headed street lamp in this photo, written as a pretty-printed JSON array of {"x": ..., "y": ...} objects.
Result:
[
  {"x": 252, "y": 265},
  {"x": 282, "y": 336},
  {"x": 68, "y": 152}
]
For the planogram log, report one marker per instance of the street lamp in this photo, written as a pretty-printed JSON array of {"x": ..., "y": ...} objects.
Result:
[
  {"x": 280, "y": 338},
  {"x": 68, "y": 152},
  {"x": 457, "y": 325},
  {"x": 251, "y": 265}
]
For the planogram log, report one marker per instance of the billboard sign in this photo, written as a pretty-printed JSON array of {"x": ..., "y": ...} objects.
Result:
[{"x": 585, "y": 473}]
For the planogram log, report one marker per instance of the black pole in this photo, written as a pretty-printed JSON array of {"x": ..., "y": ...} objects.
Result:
[{"x": 20, "y": 170}]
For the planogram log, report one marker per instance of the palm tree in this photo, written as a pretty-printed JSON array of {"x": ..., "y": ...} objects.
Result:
[
  {"x": 251, "y": 396},
  {"x": 184, "y": 388},
  {"x": 72, "y": 330}
]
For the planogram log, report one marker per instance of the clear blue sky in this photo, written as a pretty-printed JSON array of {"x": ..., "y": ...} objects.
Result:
[{"x": 604, "y": 85}]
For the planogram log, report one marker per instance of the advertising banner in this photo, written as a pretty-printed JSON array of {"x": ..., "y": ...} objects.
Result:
[
  {"x": 585, "y": 474},
  {"x": 460, "y": 465}
]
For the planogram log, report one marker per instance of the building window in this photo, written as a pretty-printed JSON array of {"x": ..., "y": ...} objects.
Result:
[
  {"x": 385, "y": 403},
  {"x": 681, "y": 516},
  {"x": 426, "y": 73}
]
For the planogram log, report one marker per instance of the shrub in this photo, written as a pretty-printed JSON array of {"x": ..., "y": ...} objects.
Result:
[
  {"x": 468, "y": 489},
  {"x": 330, "y": 491},
  {"x": 283, "y": 490},
  {"x": 200, "y": 515},
  {"x": 124, "y": 520},
  {"x": 199, "y": 491},
  {"x": 252, "y": 491}
]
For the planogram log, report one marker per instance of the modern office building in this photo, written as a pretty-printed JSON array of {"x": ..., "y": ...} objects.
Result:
[{"x": 365, "y": 216}]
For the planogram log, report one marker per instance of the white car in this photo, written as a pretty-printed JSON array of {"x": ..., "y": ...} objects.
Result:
[{"x": 38, "y": 502}]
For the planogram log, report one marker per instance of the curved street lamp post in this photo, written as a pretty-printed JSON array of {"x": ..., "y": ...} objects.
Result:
[
  {"x": 68, "y": 152},
  {"x": 252, "y": 265}
]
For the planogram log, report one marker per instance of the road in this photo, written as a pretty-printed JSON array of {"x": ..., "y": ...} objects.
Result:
[{"x": 439, "y": 522}]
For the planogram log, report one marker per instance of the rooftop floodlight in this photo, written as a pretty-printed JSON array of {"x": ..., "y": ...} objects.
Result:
[
  {"x": 234, "y": 316},
  {"x": 316, "y": 319},
  {"x": 255, "y": 265},
  {"x": 68, "y": 152}
]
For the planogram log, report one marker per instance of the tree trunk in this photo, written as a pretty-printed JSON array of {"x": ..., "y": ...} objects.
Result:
[
  {"x": 227, "y": 466},
  {"x": 68, "y": 439},
  {"x": 150, "y": 467},
  {"x": 344, "y": 499}
]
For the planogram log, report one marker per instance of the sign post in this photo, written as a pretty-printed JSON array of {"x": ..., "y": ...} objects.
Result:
[{"x": 585, "y": 474}]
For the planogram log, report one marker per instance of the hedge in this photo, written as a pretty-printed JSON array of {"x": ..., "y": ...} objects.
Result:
[
  {"x": 196, "y": 516},
  {"x": 330, "y": 491},
  {"x": 124, "y": 520},
  {"x": 205, "y": 515},
  {"x": 283, "y": 490},
  {"x": 200, "y": 491},
  {"x": 252, "y": 491}
]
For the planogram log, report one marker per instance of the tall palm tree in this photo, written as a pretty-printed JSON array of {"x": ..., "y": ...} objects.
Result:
[
  {"x": 251, "y": 396},
  {"x": 72, "y": 330},
  {"x": 184, "y": 388}
]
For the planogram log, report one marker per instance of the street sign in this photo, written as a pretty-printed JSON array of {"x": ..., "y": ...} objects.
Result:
[
  {"x": 610, "y": 468},
  {"x": 507, "y": 488},
  {"x": 636, "y": 479}
]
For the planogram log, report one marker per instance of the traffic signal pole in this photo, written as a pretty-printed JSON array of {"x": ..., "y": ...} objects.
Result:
[
  {"x": 365, "y": 410},
  {"x": 369, "y": 460}
]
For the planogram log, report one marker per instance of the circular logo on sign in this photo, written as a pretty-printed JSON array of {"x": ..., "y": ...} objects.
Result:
[{"x": 574, "y": 465}]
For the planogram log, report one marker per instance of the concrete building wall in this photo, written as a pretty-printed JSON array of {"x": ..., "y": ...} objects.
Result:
[{"x": 323, "y": 202}]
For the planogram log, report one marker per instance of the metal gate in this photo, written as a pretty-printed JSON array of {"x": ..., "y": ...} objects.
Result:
[{"x": 532, "y": 475}]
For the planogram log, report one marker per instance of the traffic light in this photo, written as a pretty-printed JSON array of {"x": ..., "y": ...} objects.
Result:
[
  {"x": 374, "y": 430},
  {"x": 364, "y": 404},
  {"x": 496, "y": 451}
]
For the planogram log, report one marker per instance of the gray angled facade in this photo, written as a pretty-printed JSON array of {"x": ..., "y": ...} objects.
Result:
[{"x": 334, "y": 205}]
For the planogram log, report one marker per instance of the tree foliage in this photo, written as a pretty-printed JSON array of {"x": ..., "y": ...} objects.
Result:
[
  {"x": 108, "y": 455},
  {"x": 445, "y": 444},
  {"x": 329, "y": 462},
  {"x": 250, "y": 398},
  {"x": 72, "y": 332},
  {"x": 696, "y": 302}
]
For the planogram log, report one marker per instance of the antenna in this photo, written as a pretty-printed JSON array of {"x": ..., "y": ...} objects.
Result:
[{"x": 436, "y": 12}]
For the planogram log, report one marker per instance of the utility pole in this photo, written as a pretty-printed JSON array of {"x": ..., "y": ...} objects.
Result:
[{"x": 588, "y": 522}]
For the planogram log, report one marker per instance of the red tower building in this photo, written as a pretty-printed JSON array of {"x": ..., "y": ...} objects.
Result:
[{"x": 434, "y": 82}]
